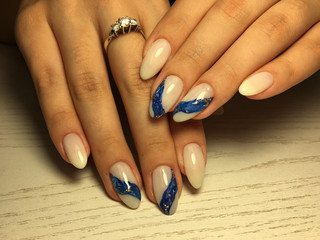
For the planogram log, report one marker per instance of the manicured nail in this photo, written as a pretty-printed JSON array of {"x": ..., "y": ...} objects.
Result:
[
  {"x": 125, "y": 184},
  {"x": 75, "y": 150},
  {"x": 155, "y": 58},
  {"x": 165, "y": 96},
  {"x": 194, "y": 164},
  {"x": 256, "y": 83},
  {"x": 165, "y": 189},
  {"x": 194, "y": 102}
]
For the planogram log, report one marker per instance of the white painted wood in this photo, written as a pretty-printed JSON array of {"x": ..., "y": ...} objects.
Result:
[{"x": 262, "y": 178}]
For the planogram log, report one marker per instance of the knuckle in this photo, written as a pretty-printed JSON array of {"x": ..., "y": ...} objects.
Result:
[
  {"x": 45, "y": 80},
  {"x": 158, "y": 143},
  {"x": 88, "y": 86},
  {"x": 275, "y": 26},
  {"x": 192, "y": 56},
  {"x": 235, "y": 9},
  {"x": 56, "y": 119},
  {"x": 107, "y": 143}
]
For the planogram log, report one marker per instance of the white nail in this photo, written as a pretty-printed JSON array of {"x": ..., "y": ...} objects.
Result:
[
  {"x": 165, "y": 189},
  {"x": 256, "y": 83},
  {"x": 125, "y": 184},
  {"x": 75, "y": 150},
  {"x": 155, "y": 58},
  {"x": 194, "y": 102},
  {"x": 194, "y": 164},
  {"x": 165, "y": 96}
]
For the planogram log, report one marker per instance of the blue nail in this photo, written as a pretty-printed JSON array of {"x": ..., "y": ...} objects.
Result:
[{"x": 125, "y": 188}]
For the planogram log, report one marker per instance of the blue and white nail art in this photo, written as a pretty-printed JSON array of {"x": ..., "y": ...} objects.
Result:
[
  {"x": 169, "y": 195},
  {"x": 156, "y": 102},
  {"x": 125, "y": 188},
  {"x": 165, "y": 189},
  {"x": 125, "y": 184},
  {"x": 165, "y": 96},
  {"x": 193, "y": 103},
  {"x": 194, "y": 106}
]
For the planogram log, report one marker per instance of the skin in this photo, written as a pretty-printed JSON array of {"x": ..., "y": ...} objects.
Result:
[
  {"x": 62, "y": 43},
  {"x": 222, "y": 42}
]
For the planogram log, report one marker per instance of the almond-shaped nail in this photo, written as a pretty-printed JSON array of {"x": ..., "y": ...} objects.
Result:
[
  {"x": 256, "y": 83},
  {"x": 125, "y": 184},
  {"x": 193, "y": 103},
  {"x": 194, "y": 164},
  {"x": 165, "y": 189},
  {"x": 165, "y": 96},
  {"x": 75, "y": 150},
  {"x": 155, "y": 58}
]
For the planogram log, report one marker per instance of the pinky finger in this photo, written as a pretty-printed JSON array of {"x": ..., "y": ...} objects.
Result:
[{"x": 293, "y": 66}]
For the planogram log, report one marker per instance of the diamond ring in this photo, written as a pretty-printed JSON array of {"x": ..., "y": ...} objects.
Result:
[{"x": 123, "y": 26}]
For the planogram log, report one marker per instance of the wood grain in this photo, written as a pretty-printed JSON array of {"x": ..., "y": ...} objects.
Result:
[{"x": 262, "y": 178}]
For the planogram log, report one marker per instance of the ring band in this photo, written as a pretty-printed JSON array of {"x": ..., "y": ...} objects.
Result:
[{"x": 122, "y": 26}]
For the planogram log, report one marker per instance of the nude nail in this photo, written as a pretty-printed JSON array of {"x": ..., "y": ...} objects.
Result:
[
  {"x": 165, "y": 189},
  {"x": 125, "y": 184},
  {"x": 256, "y": 83},
  {"x": 155, "y": 58},
  {"x": 194, "y": 164},
  {"x": 193, "y": 103},
  {"x": 165, "y": 96},
  {"x": 75, "y": 150}
]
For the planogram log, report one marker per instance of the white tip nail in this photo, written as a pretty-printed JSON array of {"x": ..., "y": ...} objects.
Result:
[
  {"x": 194, "y": 164},
  {"x": 155, "y": 58},
  {"x": 193, "y": 103},
  {"x": 165, "y": 189},
  {"x": 256, "y": 83},
  {"x": 125, "y": 184},
  {"x": 75, "y": 150},
  {"x": 165, "y": 96}
]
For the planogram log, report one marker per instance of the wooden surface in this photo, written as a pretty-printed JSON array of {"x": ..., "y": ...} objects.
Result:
[{"x": 262, "y": 178}]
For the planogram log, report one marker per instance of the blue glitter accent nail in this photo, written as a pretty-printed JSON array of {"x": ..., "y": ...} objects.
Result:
[
  {"x": 169, "y": 195},
  {"x": 193, "y": 106},
  {"x": 125, "y": 188},
  {"x": 157, "y": 108}
]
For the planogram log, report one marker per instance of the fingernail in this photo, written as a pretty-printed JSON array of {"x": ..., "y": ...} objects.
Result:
[
  {"x": 194, "y": 102},
  {"x": 125, "y": 184},
  {"x": 155, "y": 58},
  {"x": 165, "y": 189},
  {"x": 256, "y": 83},
  {"x": 165, "y": 96},
  {"x": 75, "y": 150},
  {"x": 194, "y": 164}
]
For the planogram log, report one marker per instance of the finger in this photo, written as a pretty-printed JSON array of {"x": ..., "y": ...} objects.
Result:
[
  {"x": 277, "y": 29},
  {"x": 292, "y": 67},
  {"x": 90, "y": 90},
  {"x": 152, "y": 139},
  {"x": 190, "y": 143},
  {"x": 42, "y": 56},
  {"x": 170, "y": 33},
  {"x": 202, "y": 48}
]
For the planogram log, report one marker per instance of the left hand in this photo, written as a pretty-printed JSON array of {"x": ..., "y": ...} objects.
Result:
[{"x": 216, "y": 47}]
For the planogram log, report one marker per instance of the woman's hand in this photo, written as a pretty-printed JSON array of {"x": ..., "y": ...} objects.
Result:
[
  {"x": 216, "y": 47},
  {"x": 62, "y": 42}
]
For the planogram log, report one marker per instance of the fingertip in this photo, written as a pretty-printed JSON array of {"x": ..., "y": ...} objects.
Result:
[
  {"x": 255, "y": 84},
  {"x": 75, "y": 150},
  {"x": 155, "y": 58}
]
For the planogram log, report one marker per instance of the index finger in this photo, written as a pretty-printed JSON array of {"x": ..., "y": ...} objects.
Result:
[{"x": 170, "y": 33}]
